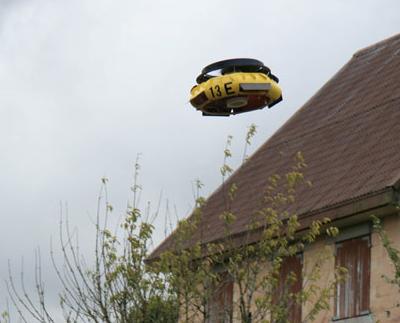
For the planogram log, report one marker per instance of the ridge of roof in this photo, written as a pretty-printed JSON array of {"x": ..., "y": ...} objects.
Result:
[{"x": 381, "y": 43}]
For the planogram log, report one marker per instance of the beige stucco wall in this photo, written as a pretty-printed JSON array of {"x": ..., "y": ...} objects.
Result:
[
  {"x": 384, "y": 297},
  {"x": 322, "y": 254}
]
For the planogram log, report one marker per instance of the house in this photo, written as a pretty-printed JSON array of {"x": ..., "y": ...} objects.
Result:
[{"x": 349, "y": 134}]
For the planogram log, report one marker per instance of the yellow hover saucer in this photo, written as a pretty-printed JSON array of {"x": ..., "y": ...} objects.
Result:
[{"x": 244, "y": 85}]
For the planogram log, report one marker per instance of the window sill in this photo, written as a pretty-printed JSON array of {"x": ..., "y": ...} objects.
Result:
[{"x": 366, "y": 318}]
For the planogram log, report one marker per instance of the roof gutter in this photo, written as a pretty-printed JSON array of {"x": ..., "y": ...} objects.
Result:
[{"x": 378, "y": 203}]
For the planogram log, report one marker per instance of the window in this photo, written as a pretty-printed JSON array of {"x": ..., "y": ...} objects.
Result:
[
  {"x": 352, "y": 295},
  {"x": 290, "y": 283},
  {"x": 221, "y": 302}
]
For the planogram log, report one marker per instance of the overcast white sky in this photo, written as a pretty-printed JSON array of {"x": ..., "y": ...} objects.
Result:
[{"x": 86, "y": 85}]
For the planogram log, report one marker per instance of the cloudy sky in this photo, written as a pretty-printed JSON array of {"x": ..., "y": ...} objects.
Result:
[{"x": 86, "y": 85}]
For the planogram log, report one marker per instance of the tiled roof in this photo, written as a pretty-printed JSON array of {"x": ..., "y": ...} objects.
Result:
[{"x": 348, "y": 132}]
